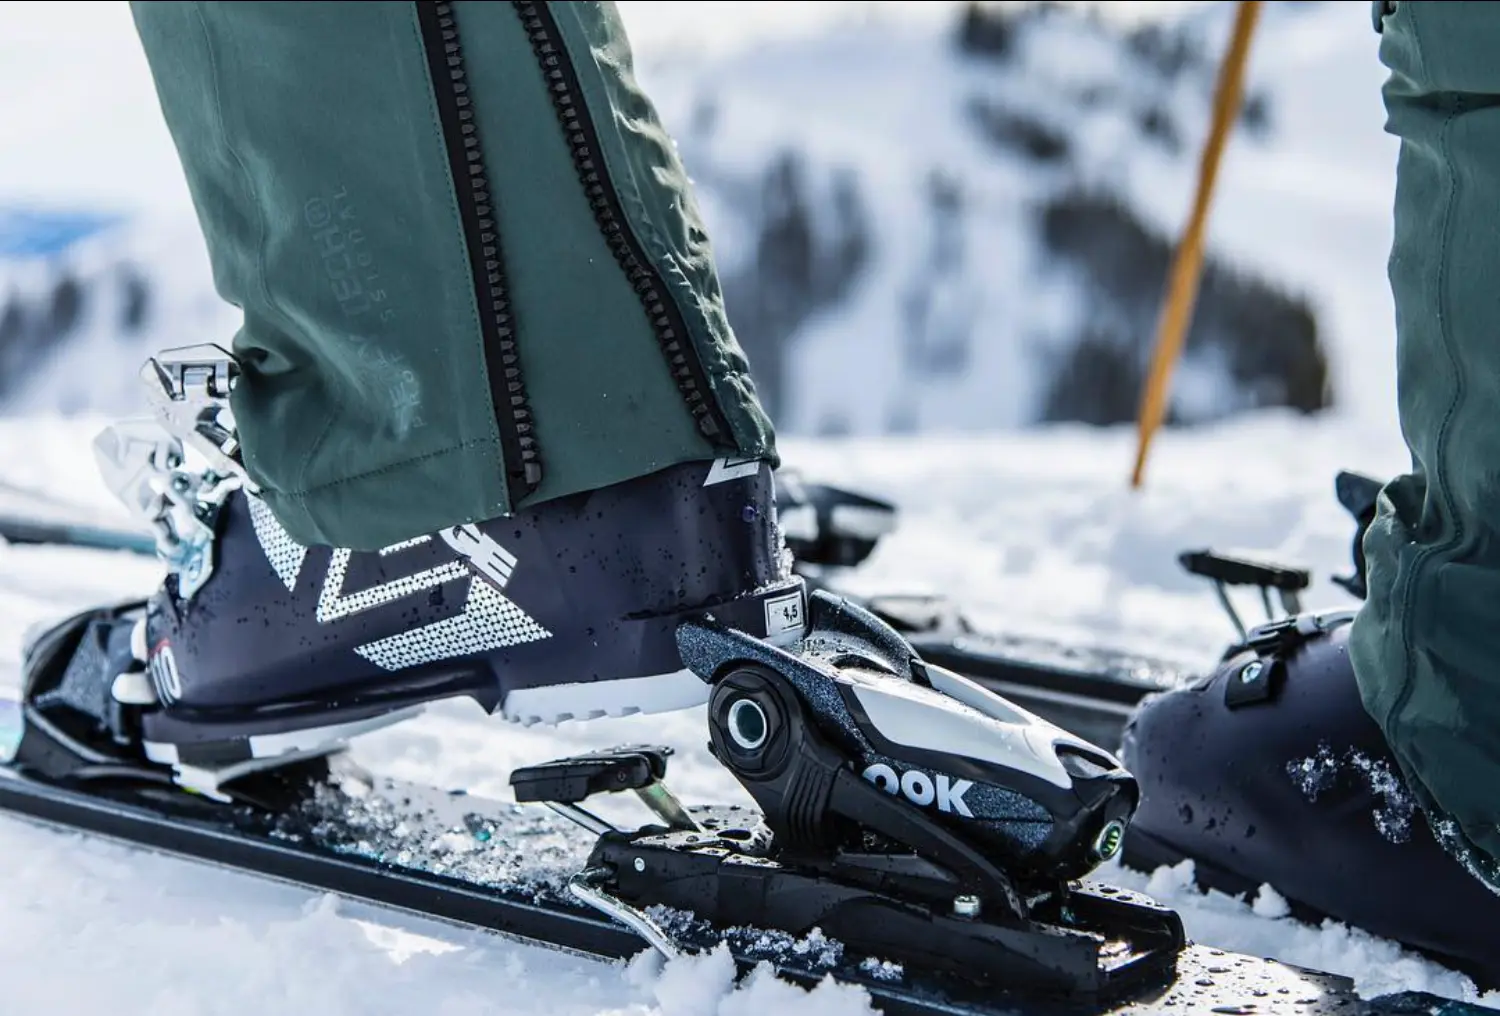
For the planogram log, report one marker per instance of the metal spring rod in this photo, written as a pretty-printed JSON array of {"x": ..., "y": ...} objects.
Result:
[{"x": 586, "y": 887}]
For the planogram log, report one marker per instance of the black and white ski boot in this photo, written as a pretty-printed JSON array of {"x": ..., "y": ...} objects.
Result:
[
  {"x": 257, "y": 650},
  {"x": 1270, "y": 772},
  {"x": 904, "y": 811}
]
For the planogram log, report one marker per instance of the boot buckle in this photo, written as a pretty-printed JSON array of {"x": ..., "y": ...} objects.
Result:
[{"x": 144, "y": 461}]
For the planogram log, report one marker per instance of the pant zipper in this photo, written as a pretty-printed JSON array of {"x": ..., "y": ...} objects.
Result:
[
  {"x": 471, "y": 184},
  {"x": 583, "y": 144}
]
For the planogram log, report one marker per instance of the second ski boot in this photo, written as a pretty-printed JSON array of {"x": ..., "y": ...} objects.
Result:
[
  {"x": 1269, "y": 771},
  {"x": 257, "y": 650}
]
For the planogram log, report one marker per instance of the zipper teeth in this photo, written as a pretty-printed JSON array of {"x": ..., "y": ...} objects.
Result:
[
  {"x": 578, "y": 131},
  {"x": 497, "y": 322}
]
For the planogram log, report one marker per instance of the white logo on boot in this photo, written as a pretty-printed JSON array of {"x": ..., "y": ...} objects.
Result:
[{"x": 489, "y": 620}]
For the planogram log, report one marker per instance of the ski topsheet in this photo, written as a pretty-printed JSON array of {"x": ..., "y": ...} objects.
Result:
[{"x": 497, "y": 866}]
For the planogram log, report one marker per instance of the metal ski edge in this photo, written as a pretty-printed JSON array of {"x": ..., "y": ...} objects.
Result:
[{"x": 424, "y": 895}]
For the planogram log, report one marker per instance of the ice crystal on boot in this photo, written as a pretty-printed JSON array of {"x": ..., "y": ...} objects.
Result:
[
  {"x": 1393, "y": 804},
  {"x": 1393, "y": 815},
  {"x": 1315, "y": 774}
]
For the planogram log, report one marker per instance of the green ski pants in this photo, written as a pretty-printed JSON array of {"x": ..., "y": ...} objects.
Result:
[
  {"x": 1426, "y": 645},
  {"x": 472, "y": 272}
]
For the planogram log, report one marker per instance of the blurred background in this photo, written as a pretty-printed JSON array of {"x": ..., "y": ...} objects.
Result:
[{"x": 930, "y": 217}]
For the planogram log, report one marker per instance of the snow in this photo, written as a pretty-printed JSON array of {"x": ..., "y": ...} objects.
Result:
[
  {"x": 1033, "y": 530},
  {"x": 1260, "y": 926}
]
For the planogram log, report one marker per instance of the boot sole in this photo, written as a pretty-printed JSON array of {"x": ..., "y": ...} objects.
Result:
[{"x": 594, "y": 700}]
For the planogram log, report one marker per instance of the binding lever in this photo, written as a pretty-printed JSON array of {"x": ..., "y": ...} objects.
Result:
[
  {"x": 1223, "y": 571},
  {"x": 563, "y": 784}
]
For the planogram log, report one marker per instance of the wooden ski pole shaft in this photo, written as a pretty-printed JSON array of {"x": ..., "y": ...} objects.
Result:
[{"x": 1182, "y": 281}]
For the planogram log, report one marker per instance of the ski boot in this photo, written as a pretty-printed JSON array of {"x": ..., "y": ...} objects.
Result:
[
  {"x": 257, "y": 651},
  {"x": 905, "y": 812},
  {"x": 1270, "y": 772}
]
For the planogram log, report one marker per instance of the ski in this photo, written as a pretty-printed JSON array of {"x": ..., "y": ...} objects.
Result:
[{"x": 453, "y": 857}]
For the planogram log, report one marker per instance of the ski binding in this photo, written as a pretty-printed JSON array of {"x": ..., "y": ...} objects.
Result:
[{"x": 905, "y": 812}]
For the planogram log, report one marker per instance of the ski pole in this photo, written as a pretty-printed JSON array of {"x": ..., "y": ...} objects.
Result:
[{"x": 1182, "y": 281}]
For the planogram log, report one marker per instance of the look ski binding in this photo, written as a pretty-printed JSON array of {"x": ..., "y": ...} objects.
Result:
[{"x": 905, "y": 812}]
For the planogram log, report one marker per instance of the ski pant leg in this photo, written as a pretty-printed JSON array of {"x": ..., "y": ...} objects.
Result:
[
  {"x": 472, "y": 272},
  {"x": 1426, "y": 644}
]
